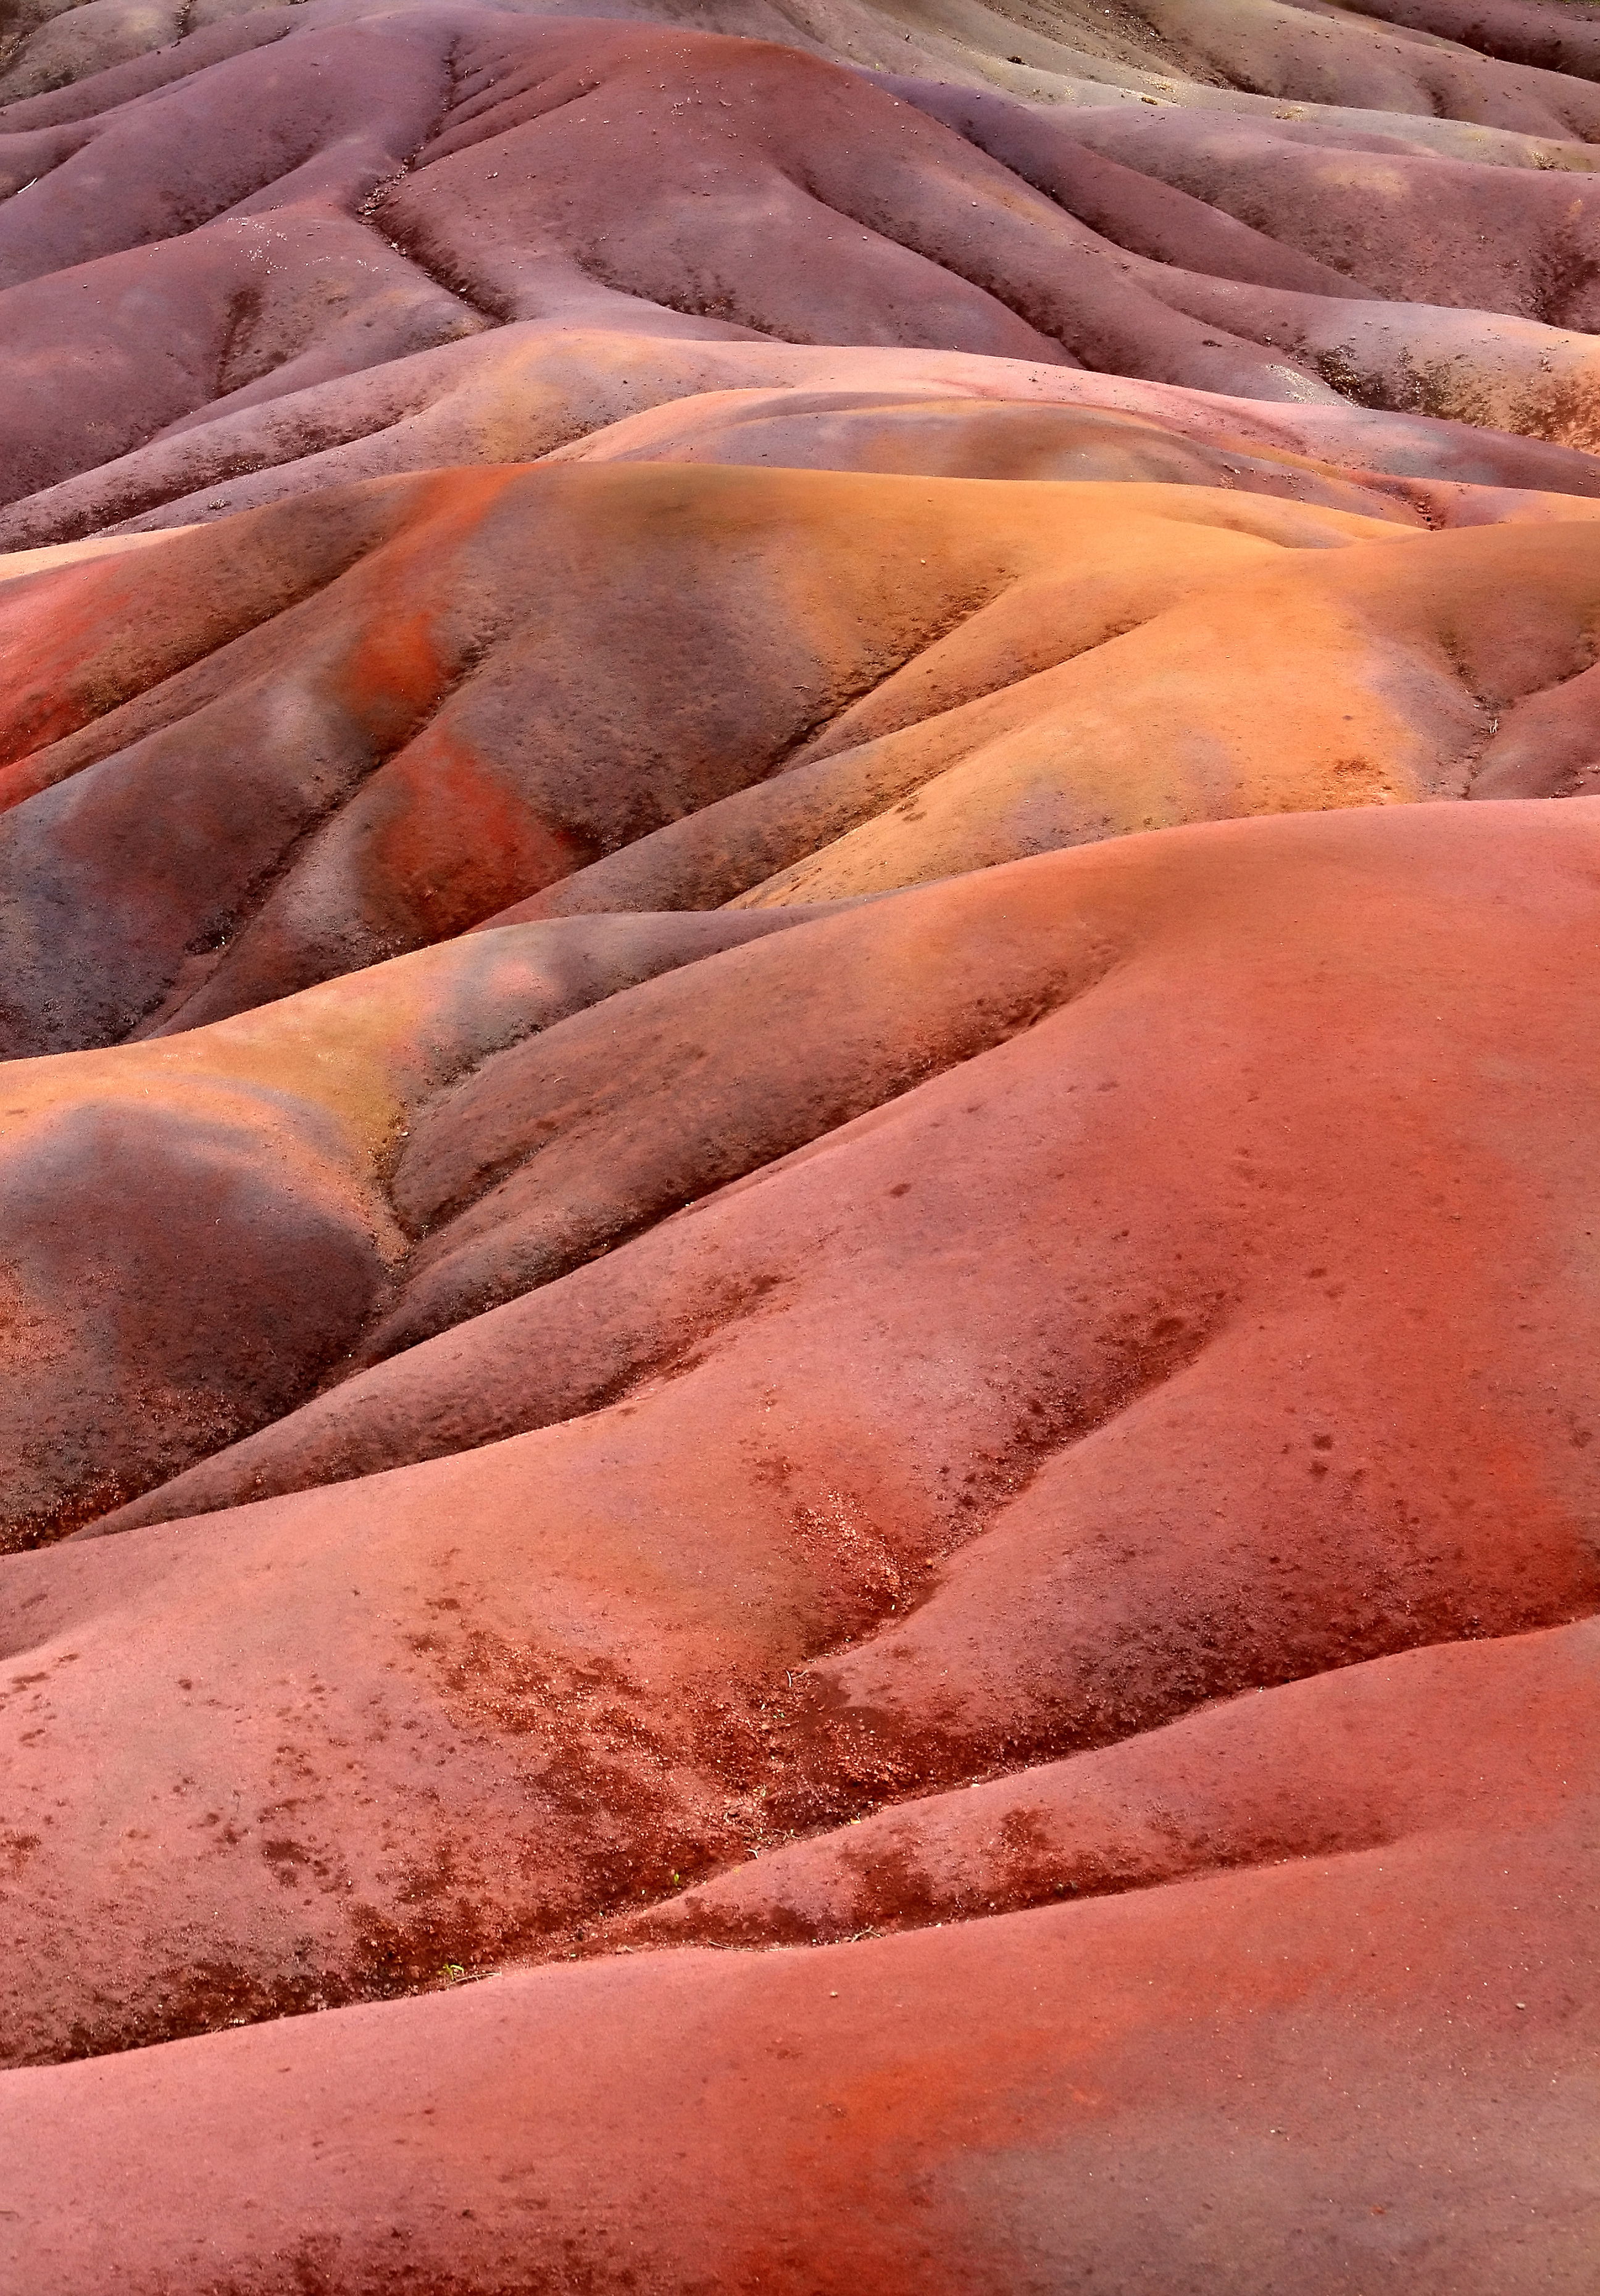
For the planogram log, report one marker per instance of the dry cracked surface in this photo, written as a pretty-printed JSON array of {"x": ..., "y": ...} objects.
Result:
[{"x": 800, "y": 900}]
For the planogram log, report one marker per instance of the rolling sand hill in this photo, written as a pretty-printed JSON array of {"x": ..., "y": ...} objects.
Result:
[{"x": 800, "y": 900}]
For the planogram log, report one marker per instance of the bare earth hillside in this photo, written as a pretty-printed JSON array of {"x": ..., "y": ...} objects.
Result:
[{"x": 800, "y": 966}]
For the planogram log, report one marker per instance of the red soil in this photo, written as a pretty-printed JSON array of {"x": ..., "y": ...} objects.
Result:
[{"x": 794, "y": 1289}]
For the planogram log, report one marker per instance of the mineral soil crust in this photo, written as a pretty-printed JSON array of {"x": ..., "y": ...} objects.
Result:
[{"x": 800, "y": 958}]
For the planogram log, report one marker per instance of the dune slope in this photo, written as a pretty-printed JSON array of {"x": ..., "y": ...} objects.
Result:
[{"x": 799, "y": 869}]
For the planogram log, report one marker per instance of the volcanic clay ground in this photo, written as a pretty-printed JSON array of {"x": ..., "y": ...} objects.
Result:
[{"x": 799, "y": 1264}]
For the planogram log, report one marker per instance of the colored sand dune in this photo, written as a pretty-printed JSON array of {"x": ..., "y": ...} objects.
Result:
[{"x": 799, "y": 881}]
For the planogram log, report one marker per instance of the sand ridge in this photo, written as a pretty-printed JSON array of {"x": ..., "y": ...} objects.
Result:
[{"x": 799, "y": 845}]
